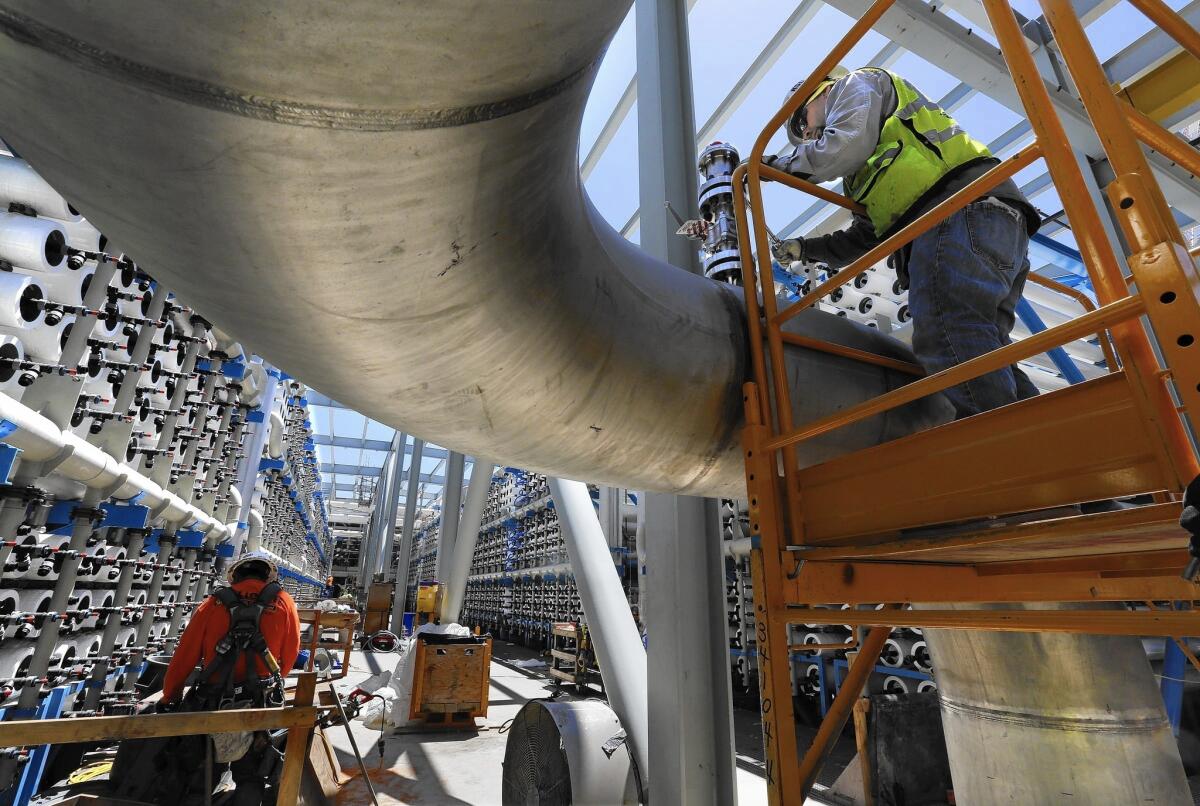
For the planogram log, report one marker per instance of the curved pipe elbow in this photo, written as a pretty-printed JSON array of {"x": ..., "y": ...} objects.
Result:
[
  {"x": 254, "y": 530},
  {"x": 275, "y": 436}
]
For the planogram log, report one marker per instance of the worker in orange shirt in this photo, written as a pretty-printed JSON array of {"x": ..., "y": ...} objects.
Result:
[{"x": 244, "y": 638}]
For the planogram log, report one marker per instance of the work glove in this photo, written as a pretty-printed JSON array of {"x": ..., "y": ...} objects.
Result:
[
  {"x": 780, "y": 162},
  {"x": 789, "y": 251},
  {"x": 695, "y": 229}
]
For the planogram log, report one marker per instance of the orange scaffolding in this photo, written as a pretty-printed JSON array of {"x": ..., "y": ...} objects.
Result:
[{"x": 1115, "y": 436}]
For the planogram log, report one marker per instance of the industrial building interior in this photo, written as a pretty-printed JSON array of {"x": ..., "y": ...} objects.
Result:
[{"x": 514, "y": 356}]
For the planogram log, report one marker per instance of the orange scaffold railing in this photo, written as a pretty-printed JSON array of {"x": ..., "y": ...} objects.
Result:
[{"x": 809, "y": 550}]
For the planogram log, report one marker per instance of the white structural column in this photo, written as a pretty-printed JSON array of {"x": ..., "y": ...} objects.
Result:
[
  {"x": 451, "y": 502},
  {"x": 391, "y": 504},
  {"x": 385, "y": 489},
  {"x": 406, "y": 535},
  {"x": 459, "y": 569},
  {"x": 683, "y": 601},
  {"x": 614, "y": 634}
]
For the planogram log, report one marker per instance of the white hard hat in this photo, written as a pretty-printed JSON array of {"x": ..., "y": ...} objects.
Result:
[
  {"x": 794, "y": 126},
  {"x": 255, "y": 557}
]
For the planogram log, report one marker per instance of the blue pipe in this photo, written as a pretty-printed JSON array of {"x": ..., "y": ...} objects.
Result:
[{"x": 1173, "y": 671}]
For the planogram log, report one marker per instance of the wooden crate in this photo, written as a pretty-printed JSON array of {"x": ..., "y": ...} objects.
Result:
[
  {"x": 378, "y": 614},
  {"x": 320, "y": 620},
  {"x": 450, "y": 682}
]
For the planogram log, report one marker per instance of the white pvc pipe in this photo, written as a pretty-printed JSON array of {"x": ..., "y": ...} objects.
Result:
[
  {"x": 619, "y": 648},
  {"x": 275, "y": 435},
  {"x": 464, "y": 545},
  {"x": 40, "y": 440},
  {"x": 254, "y": 530},
  {"x": 739, "y": 547}
]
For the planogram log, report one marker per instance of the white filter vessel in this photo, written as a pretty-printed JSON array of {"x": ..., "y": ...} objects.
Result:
[{"x": 34, "y": 244}]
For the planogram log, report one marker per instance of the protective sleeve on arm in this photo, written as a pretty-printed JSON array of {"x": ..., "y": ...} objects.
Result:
[
  {"x": 187, "y": 653},
  {"x": 843, "y": 247},
  {"x": 852, "y": 120}
]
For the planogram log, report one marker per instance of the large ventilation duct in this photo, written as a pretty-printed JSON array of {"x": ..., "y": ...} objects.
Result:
[{"x": 385, "y": 202}]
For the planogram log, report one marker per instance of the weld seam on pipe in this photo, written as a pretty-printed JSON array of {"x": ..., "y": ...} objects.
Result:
[{"x": 1066, "y": 723}]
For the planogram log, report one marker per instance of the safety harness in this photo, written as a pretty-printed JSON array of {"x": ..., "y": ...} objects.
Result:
[{"x": 215, "y": 685}]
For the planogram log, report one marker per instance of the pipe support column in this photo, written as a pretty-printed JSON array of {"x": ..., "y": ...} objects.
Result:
[
  {"x": 392, "y": 500},
  {"x": 614, "y": 633},
  {"x": 455, "y": 590},
  {"x": 400, "y": 595},
  {"x": 451, "y": 502}
]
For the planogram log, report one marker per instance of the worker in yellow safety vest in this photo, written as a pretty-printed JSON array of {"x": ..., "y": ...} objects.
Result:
[{"x": 900, "y": 154}]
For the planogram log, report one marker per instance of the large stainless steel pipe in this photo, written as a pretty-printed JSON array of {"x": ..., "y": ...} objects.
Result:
[
  {"x": 326, "y": 186},
  {"x": 323, "y": 186},
  {"x": 1048, "y": 718}
]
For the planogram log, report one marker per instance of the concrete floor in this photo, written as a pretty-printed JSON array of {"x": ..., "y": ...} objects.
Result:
[{"x": 466, "y": 768}]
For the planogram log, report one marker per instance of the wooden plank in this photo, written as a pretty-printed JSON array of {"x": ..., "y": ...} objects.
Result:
[
  {"x": 148, "y": 726},
  {"x": 323, "y": 763},
  {"x": 296, "y": 751}
]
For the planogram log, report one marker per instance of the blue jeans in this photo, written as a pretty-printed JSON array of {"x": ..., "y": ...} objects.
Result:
[{"x": 965, "y": 278}]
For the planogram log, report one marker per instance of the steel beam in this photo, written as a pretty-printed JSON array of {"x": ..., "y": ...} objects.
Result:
[
  {"x": 400, "y": 595},
  {"x": 376, "y": 472},
  {"x": 611, "y": 126},
  {"x": 666, "y": 129},
  {"x": 691, "y": 756},
  {"x": 613, "y": 123},
  {"x": 390, "y": 505},
  {"x": 372, "y": 444},
  {"x": 451, "y": 501}
]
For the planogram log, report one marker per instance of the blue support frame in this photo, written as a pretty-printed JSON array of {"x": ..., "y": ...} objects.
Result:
[
  {"x": 1058, "y": 355},
  {"x": 51, "y": 707}
]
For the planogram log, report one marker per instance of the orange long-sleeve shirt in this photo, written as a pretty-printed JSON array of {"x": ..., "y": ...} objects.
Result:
[{"x": 280, "y": 626}]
